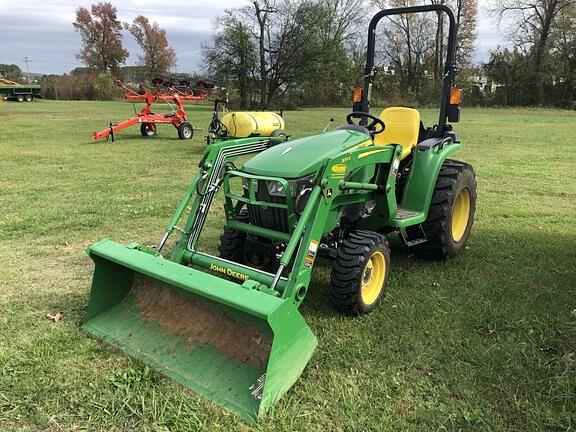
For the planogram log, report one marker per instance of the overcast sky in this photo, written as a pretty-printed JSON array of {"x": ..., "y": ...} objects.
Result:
[{"x": 42, "y": 30}]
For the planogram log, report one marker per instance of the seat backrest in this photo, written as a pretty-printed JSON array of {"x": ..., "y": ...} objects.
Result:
[{"x": 402, "y": 127}]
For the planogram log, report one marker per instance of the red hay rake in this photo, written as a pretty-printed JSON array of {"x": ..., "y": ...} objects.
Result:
[{"x": 173, "y": 97}]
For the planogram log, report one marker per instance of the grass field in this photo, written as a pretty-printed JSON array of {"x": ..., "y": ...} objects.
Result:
[{"x": 485, "y": 342}]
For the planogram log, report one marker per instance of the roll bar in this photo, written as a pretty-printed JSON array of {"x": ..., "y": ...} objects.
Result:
[{"x": 450, "y": 68}]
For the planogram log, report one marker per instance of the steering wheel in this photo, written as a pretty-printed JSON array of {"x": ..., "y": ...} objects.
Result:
[{"x": 372, "y": 126}]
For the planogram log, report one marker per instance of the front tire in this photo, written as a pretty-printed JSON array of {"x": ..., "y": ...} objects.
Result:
[
  {"x": 232, "y": 243},
  {"x": 185, "y": 131},
  {"x": 360, "y": 273},
  {"x": 451, "y": 213},
  {"x": 235, "y": 246}
]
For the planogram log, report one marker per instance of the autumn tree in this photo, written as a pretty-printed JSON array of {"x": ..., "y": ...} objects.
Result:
[
  {"x": 101, "y": 34},
  {"x": 157, "y": 55}
]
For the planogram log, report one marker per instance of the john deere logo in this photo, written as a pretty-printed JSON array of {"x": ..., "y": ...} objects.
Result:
[
  {"x": 339, "y": 169},
  {"x": 229, "y": 272}
]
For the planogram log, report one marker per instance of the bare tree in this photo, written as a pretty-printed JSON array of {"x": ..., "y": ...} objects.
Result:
[
  {"x": 262, "y": 11},
  {"x": 530, "y": 24},
  {"x": 439, "y": 42},
  {"x": 416, "y": 44},
  {"x": 283, "y": 30},
  {"x": 408, "y": 43},
  {"x": 466, "y": 13}
]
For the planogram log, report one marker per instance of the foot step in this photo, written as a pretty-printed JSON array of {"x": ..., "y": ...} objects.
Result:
[
  {"x": 415, "y": 241},
  {"x": 404, "y": 214}
]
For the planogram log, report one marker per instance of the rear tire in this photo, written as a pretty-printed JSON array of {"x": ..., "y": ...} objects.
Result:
[
  {"x": 20, "y": 98},
  {"x": 185, "y": 131},
  {"x": 360, "y": 273},
  {"x": 451, "y": 213},
  {"x": 28, "y": 98},
  {"x": 148, "y": 129}
]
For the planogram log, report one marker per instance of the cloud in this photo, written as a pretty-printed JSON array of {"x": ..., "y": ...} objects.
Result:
[
  {"x": 490, "y": 35},
  {"x": 43, "y": 30}
]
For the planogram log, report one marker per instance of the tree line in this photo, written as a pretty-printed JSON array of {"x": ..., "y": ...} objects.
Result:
[
  {"x": 291, "y": 53},
  {"x": 311, "y": 52}
]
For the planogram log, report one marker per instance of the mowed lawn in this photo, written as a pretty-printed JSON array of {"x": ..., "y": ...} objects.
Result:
[{"x": 486, "y": 341}]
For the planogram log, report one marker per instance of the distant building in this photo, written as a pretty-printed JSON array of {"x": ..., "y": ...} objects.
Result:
[
  {"x": 484, "y": 84},
  {"x": 388, "y": 70}
]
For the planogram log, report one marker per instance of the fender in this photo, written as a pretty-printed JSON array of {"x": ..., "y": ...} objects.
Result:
[{"x": 428, "y": 158}]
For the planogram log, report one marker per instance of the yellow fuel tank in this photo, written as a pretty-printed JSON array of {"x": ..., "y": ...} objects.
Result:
[{"x": 246, "y": 124}]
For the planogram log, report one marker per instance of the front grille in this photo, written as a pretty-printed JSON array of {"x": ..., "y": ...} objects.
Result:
[{"x": 268, "y": 217}]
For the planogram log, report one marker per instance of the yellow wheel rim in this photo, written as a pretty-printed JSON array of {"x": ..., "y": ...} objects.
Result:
[
  {"x": 460, "y": 214},
  {"x": 373, "y": 278}
]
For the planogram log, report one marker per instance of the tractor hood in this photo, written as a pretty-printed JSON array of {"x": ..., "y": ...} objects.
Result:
[{"x": 299, "y": 157}]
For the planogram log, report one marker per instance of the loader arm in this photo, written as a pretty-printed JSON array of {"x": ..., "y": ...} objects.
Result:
[{"x": 331, "y": 192}]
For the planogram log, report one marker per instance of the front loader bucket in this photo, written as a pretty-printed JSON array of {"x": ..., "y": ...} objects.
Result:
[{"x": 239, "y": 347}]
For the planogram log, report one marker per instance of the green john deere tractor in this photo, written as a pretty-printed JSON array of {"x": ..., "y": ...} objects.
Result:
[{"x": 228, "y": 326}]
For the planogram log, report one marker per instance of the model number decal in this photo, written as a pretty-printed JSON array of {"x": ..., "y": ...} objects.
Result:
[{"x": 339, "y": 171}]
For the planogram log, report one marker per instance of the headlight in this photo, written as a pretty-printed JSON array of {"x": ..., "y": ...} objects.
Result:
[
  {"x": 296, "y": 186},
  {"x": 275, "y": 189}
]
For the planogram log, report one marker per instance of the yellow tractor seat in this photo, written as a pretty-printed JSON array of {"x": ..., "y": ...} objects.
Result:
[{"x": 402, "y": 127}]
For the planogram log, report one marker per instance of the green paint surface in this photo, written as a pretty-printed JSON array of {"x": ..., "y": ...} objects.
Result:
[
  {"x": 302, "y": 156},
  {"x": 199, "y": 367}
]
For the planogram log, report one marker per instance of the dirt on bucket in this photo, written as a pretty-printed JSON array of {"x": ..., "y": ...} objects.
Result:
[{"x": 199, "y": 323}]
